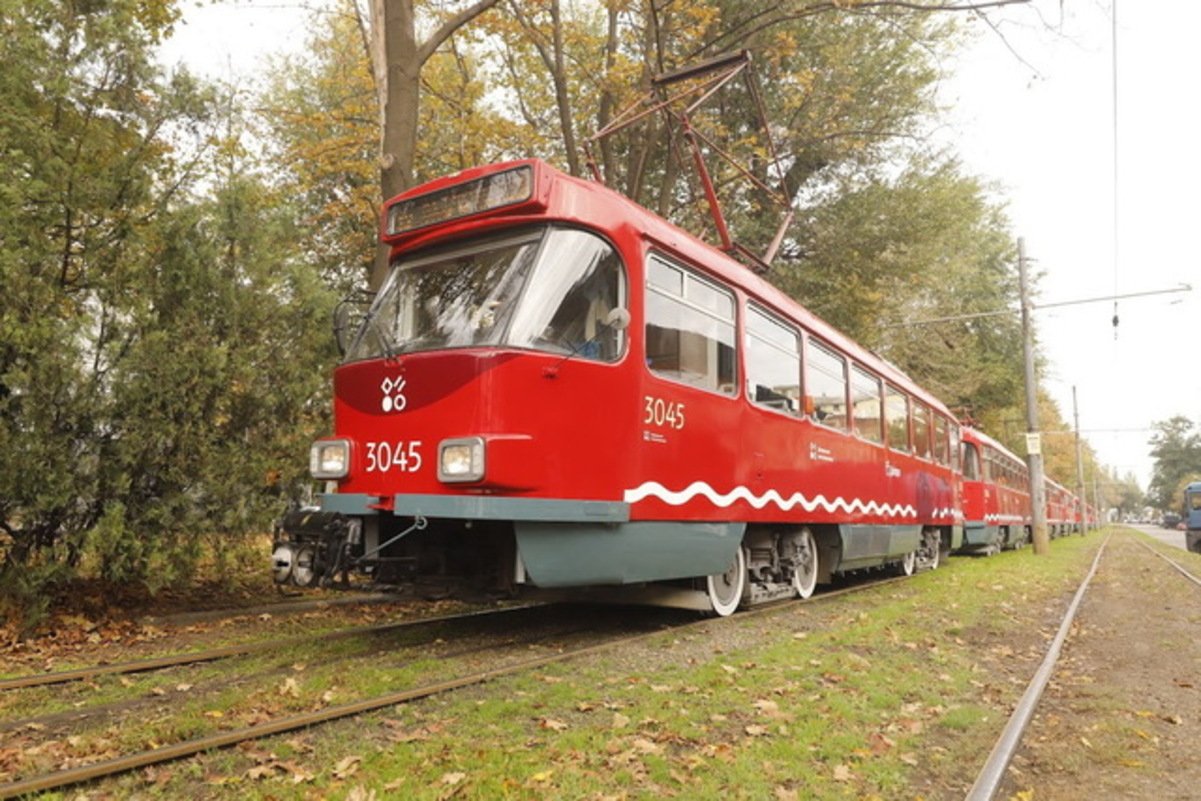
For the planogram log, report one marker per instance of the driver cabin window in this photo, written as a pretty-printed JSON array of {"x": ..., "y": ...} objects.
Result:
[{"x": 573, "y": 302}]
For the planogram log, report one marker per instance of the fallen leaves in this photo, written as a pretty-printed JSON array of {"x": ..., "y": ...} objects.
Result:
[
  {"x": 347, "y": 766},
  {"x": 451, "y": 779}
]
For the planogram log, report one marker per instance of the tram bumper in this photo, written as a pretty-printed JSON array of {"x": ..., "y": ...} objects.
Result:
[{"x": 312, "y": 547}]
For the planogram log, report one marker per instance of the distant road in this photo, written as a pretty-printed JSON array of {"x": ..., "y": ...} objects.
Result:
[{"x": 1171, "y": 537}]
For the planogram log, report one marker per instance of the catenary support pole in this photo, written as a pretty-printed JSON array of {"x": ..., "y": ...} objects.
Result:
[
  {"x": 1081, "y": 496},
  {"x": 1034, "y": 455}
]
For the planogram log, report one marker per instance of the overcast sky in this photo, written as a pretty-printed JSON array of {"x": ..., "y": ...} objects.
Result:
[
  {"x": 1041, "y": 124},
  {"x": 1032, "y": 112}
]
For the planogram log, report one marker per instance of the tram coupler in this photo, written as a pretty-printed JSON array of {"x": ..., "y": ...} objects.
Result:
[{"x": 312, "y": 548}]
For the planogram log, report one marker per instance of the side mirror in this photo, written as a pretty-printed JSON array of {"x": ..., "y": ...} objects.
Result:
[
  {"x": 348, "y": 318},
  {"x": 618, "y": 319}
]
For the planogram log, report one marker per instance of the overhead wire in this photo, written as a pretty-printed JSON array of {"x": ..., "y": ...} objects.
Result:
[{"x": 1114, "y": 80}]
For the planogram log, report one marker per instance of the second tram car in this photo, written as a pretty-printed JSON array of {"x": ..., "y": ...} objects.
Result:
[
  {"x": 1062, "y": 515},
  {"x": 555, "y": 388},
  {"x": 995, "y": 496}
]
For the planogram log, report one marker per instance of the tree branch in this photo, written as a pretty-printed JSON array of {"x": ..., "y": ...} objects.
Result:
[{"x": 427, "y": 48}]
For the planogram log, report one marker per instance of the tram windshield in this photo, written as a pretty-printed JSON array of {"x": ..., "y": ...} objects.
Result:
[{"x": 551, "y": 289}]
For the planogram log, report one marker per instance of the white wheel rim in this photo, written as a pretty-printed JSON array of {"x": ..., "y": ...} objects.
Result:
[
  {"x": 302, "y": 567},
  {"x": 909, "y": 563},
  {"x": 804, "y": 575},
  {"x": 725, "y": 589}
]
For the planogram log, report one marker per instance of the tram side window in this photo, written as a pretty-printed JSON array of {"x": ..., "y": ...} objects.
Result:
[
  {"x": 896, "y": 413},
  {"x": 942, "y": 454},
  {"x": 971, "y": 462},
  {"x": 921, "y": 430},
  {"x": 1000, "y": 470},
  {"x": 956, "y": 439},
  {"x": 773, "y": 363},
  {"x": 826, "y": 385},
  {"x": 865, "y": 403},
  {"x": 689, "y": 328}
]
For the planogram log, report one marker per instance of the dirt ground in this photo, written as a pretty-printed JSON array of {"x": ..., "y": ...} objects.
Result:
[{"x": 1122, "y": 715}]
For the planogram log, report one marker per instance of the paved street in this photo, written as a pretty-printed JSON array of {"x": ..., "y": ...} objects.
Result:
[{"x": 1171, "y": 537}]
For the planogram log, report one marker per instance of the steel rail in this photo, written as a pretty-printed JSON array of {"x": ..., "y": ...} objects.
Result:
[
  {"x": 989, "y": 779},
  {"x": 1179, "y": 568},
  {"x": 227, "y": 651},
  {"x": 168, "y": 753},
  {"x": 288, "y": 606}
]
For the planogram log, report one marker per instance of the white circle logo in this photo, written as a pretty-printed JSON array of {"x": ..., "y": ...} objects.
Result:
[{"x": 393, "y": 394}]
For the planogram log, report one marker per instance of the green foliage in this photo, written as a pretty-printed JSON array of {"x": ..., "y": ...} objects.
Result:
[
  {"x": 162, "y": 356},
  {"x": 1176, "y": 449},
  {"x": 882, "y": 259},
  {"x": 322, "y": 118}
]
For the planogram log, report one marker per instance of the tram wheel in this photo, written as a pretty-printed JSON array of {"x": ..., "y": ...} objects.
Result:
[
  {"x": 804, "y": 556},
  {"x": 725, "y": 590}
]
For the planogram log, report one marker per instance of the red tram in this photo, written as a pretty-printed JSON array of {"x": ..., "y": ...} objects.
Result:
[
  {"x": 555, "y": 388},
  {"x": 996, "y": 496},
  {"x": 1063, "y": 516}
]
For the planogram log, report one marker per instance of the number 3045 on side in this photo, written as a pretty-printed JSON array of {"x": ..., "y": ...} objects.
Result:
[{"x": 662, "y": 414}]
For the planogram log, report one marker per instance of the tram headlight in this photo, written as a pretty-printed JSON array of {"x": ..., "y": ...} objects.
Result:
[
  {"x": 461, "y": 459},
  {"x": 329, "y": 458}
]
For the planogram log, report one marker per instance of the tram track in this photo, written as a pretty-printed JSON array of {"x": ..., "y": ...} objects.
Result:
[
  {"x": 988, "y": 780},
  {"x": 286, "y": 723},
  {"x": 1178, "y": 567},
  {"x": 287, "y": 605},
  {"x": 229, "y": 651},
  {"x": 157, "y": 696},
  {"x": 434, "y": 642},
  {"x": 1120, "y": 710},
  {"x": 992, "y": 773}
]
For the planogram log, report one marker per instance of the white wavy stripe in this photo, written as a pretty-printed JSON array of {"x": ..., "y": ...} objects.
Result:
[
  {"x": 1003, "y": 518},
  {"x": 653, "y": 489}
]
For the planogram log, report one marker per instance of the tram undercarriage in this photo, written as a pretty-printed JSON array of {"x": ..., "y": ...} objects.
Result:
[{"x": 627, "y": 563}]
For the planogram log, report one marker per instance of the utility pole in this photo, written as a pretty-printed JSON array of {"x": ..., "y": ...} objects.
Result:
[
  {"x": 1079, "y": 468},
  {"x": 1034, "y": 452}
]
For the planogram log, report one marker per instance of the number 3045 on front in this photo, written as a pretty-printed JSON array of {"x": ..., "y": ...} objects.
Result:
[{"x": 400, "y": 456}]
